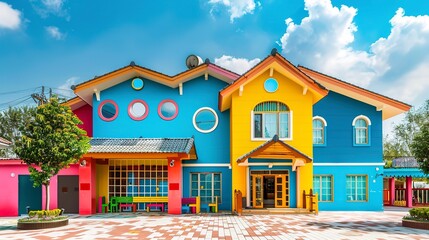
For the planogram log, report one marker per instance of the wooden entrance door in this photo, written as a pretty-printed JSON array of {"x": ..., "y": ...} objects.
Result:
[
  {"x": 258, "y": 188},
  {"x": 280, "y": 191}
]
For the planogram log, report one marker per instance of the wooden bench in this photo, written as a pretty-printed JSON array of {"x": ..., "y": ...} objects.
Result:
[
  {"x": 126, "y": 202},
  {"x": 152, "y": 201}
]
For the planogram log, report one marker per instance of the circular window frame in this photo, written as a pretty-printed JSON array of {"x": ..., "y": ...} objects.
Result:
[
  {"x": 195, "y": 116},
  {"x": 160, "y": 112},
  {"x": 100, "y": 107},
  {"x": 267, "y": 81},
  {"x": 134, "y": 87},
  {"x": 130, "y": 106}
]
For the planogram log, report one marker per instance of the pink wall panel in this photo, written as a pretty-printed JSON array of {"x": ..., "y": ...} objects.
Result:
[
  {"x": 9, "y": 172},
  {"x": 84, "y": 113}
]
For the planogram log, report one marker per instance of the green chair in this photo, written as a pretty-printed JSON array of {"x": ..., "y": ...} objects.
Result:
[
  {"x": 114, "y": 205},
  {"x": 104, "y": 205}
]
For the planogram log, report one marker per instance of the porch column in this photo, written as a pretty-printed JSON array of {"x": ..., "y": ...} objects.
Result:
[
  {"x": 409, "y": 191},
  {"x": 175, "y": 186},
  {"x": 392, "y": 190},
  {"x": 87, "y": 193}
]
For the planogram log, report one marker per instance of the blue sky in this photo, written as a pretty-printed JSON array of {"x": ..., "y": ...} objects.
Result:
[{"x": 377, "y": 44}]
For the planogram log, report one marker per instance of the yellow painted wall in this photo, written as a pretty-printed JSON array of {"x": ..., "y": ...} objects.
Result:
[
  {"x": 301, "y": 106},
  {"x": 102, "y": 176}
]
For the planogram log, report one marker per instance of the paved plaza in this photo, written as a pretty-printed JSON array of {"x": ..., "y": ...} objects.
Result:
[{"x": 325, "y": 226}]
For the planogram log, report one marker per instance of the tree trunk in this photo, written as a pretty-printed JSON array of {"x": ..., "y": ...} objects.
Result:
[{"x": 47, "y": 197}]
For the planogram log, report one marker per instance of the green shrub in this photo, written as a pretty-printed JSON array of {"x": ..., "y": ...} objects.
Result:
[
  {"x": 420, "y": 214},
  {"x": 45, "y": 213}
]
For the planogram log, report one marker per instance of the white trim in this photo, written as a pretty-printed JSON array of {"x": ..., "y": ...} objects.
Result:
[
  {"x": 206, "y": 165},
  {"x": 298, "y": 194},
  {"x": 180, "y": 89},
  {"x": 321, "y": 119},
  {"x": 361, "y": 116},
  {"x": 348, "y": 164},
  {"x": 214, "y": 126},
  {"x": 264, "y": 164},
  {"x": 253, "y": 139}
]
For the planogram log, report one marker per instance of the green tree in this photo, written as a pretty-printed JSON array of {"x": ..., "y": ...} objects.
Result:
[
  {"x": 420, "y": 147},
  {"x": 51, "y": 142},
  {"x": 403, "y": 134},
  {"x": 11, "y": 120}
]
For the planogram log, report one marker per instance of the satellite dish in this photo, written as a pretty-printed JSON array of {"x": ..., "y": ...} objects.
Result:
[{"x": 193, "y": 61}]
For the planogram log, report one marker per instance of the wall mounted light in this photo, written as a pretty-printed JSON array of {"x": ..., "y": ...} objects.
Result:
[
  {"x": 172, "y": 163},
  {"x": 83, "y": 163},
  {"x": 12, "y": 174}
]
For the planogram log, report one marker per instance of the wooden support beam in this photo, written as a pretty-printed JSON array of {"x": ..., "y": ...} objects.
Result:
[
  {"x": 180, "y": 89},
  {"x": 206, "y": 76},
  {"x": 240, "y": 91},
  {"x": 271, "y": 71},
  {"x": 304, "y": 90},
  {"x": 97, "y": 94}
]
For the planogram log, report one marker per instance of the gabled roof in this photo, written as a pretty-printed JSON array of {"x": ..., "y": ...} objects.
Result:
[
  {"x": 279, "y": 63},
  {"x": 86, "y": 89},
  {"x": 130, "y": 146},
  {"x": 389, "y": 106},
  {"x": 74, "y": 103},
  {"x": 4, "y": 143},
  {"x": 275, "y": 148}
]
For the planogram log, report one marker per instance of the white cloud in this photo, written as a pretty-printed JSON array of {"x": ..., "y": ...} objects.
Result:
[
  {"x": 236, "y": 8},
  {"x": 237, "y": 65},
  {"x": 55, "y": 32},
  {"x": 54, "y": 5},
  {"x": 397, "y": 66},
  {"x": 46, "y": 7},
  {"x": 9, "y": 18},
  {"x": 65, "y": 89}
]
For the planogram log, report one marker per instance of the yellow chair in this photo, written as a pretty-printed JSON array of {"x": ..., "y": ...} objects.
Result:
[
  {"x": 214, "y": 205},
  {"x": 197, "y": 205}
]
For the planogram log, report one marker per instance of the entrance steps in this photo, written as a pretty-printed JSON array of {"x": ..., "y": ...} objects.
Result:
[{"x": 252, "y": 211}]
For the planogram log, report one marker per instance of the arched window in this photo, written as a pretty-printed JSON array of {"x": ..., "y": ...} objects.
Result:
[
  {"x": 319, "y": 131},
  {"x": 361, "y": 131},
  {"x": 271, "y": 118}
]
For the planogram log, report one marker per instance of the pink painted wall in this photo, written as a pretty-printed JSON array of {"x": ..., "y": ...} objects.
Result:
[
  {"x": 175, "y": 180},
  {"x": 9, "y": 171},
  {"x": 84, "y": 113},
  {"x": 87, "y": 193}
]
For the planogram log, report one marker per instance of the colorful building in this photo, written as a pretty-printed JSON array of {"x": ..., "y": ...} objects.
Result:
[{"x": 272, "y": 133}]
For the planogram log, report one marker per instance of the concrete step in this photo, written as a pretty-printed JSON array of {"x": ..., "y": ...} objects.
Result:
[{"x": 250, "y": 211}]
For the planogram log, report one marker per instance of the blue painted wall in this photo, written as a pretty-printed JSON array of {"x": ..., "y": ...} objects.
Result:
[
  {"x": 225, "y": 184},
  {"x": 211, "y": 147},
  {"x": 339, "y": 112},
  {"x": 340, "y": 203}
]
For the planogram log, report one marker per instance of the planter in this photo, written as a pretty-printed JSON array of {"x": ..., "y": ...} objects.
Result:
[
  {"x": 42, "y": 225},
  {"x": 415, "y": 224}
]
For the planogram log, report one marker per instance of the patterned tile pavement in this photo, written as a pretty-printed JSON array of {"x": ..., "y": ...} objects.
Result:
[{"x": 325, "y": 226}]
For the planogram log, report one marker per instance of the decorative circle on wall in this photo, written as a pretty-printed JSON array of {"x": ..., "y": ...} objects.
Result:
[
  {"x": 205, "y": 120},
  {"x": 137, "y": 84},
  {"x": 108, "y": 110},
  {"x": 138, "y": 110},
  {"x": 168, "y": 109},
  {"x": 271, "y": 85}
]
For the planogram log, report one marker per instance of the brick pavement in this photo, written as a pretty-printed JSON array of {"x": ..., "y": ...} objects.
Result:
[{"x": 325, "y": 226}]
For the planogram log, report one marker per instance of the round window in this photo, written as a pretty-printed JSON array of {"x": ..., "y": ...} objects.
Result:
[
  {"x": 108, "y": 110},
  {"x": 205, "y": 120},
  {"x": 271, "y": 85},
  {"x": 138, "y": 110},
  {"x": 168, "y": 110},
  {"x": 137, "y": 84}
]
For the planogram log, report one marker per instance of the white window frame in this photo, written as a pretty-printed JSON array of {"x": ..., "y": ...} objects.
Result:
[
  {"x": 252, "y": 127},
  {"x": 324, "y": 130},
  {"x": 195, "y": 123}
]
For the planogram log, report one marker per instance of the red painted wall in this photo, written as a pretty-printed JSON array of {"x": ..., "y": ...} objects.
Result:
[
  {"x": 9, "y": 171},
  {"x": 84, "y": 113}
]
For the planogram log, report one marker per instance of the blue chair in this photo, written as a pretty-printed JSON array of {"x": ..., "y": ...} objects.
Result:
[
  {"x": 205, "y": 206},
  {"x": 186, "y": 209}
]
